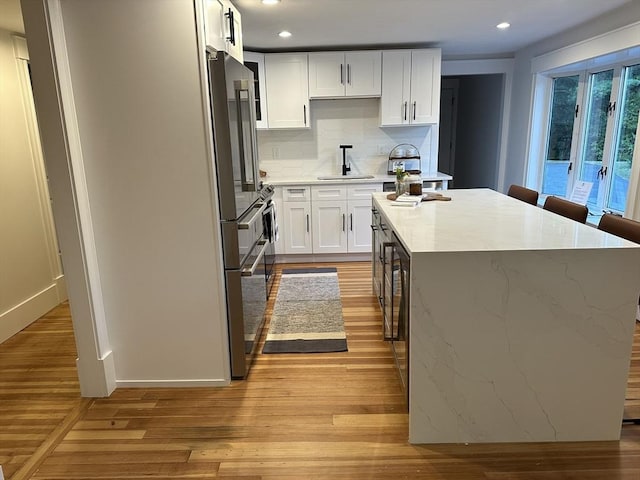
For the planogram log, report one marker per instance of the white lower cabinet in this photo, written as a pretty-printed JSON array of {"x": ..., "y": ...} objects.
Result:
[
  {"x": 342, "y": 224},
  {"x": 329, "y": 226},
  {"x": 324, "y": 219},
  {"x": 296, "y": 216},
  {"x": 359, "y": 220}
]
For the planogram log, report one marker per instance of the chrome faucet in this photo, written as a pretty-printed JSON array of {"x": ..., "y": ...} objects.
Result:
[{"x": 345, "y": 168}]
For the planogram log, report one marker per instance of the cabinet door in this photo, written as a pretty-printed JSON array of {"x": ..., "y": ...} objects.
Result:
[
  {"x": 233, "y": 26},
  {"x": 297, "y": 227},
  {"x": 327, "y": 74},
  {"x": 255, "y": 63},
  {"x": 363, "y": 73},
  {"x": 287, "y": 90},
  {"x": 425, "y": 86},
  {"x": 329, "y": 227},
  {"x": 396, "y": 78},
  {"x": 359, "y": 219},
  {"x": 215, "y": 21}
]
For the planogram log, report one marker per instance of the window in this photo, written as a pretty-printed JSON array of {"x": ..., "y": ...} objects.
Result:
[
  {"x": 590, "y": 134},
  {"x": 557, "y": 163},
  {"x": 625, "y": 139}
]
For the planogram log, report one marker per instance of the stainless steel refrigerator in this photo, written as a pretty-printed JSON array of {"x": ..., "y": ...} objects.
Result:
[{"x": 244, "y": 205}]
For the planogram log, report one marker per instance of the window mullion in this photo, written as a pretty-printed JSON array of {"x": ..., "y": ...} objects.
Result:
[
  {"x": 610, "y": 138},
  {"x": 578, "y": 128}
]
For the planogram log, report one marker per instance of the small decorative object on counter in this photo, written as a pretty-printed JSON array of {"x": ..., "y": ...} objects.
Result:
[
  {"x": 414, "y": 180},
  {"x": 401, "y": 185}
]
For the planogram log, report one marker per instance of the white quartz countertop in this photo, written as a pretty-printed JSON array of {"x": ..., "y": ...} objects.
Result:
[
  {"x": 485, "y": 220},
  {"x": 313, "y": 180}
]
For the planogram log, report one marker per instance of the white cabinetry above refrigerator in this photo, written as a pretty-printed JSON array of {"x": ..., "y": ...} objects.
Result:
[{"x": 223, "y": 27}]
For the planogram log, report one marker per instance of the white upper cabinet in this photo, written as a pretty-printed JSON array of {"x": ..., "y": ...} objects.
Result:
[
  {"x": 286, "y": 77},
  {"x": 410, "y": 87},
  {"x": 223, "y": 27},
  {"x": 255, "y": 63},
  {"x": 345, "y": 74}
]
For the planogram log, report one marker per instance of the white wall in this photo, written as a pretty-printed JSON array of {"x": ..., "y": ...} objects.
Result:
[
  {"x": 315, "y": 151},
  {"x": 523, "y": 81},
  {"x": 142, "y": 148},
  {"x": 29, "y": 269}
]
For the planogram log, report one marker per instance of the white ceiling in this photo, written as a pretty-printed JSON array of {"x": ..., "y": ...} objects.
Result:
[{"x": 459, "y": 27}]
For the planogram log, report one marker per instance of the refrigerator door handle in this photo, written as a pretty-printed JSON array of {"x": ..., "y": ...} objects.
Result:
[{"x": 249, "y": 184}]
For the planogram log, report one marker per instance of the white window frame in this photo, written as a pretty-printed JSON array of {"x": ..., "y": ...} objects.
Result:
[{"x": 541, "y": 116}]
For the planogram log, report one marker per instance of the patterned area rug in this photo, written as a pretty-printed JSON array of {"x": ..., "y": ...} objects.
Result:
[{"x": 307, "y": 315}]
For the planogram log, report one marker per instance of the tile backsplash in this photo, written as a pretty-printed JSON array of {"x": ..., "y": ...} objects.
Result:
[{"x": 315, "y": 151}]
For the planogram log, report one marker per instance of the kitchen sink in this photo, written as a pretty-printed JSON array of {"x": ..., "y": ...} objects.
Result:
[{"x": 345, "y": 177}]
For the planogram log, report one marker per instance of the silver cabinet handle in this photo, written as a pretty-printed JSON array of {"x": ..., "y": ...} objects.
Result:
[
  {"x": 295, "y": 190},
  {"x": 341, "y": 74},
  {"x": 307, "y": 223},
  {"x": 414, "y": 110},
  {"x": 349, "y": 74},
  {"x": 351, "y": 222},
  {"x": 304, "y": 109},
  {"x": 405, "y": 111},
  {"x": 343, "y": 221}
]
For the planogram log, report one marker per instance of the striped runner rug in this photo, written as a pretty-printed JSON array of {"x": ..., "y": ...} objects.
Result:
[{"x": 307, "y": 315}]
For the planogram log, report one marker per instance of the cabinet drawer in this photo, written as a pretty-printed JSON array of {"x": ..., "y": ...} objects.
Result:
[
  {"x": 329, "y": 192},
  {"x": 296, "y": 194},
  {"x": 364, "y": 191}
]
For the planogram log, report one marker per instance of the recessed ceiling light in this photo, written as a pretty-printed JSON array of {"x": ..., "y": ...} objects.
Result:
[
  {"x": 270, "y": 2},
  {"x": 285, "y": 34},
  {"x": 503, "y": 25}
]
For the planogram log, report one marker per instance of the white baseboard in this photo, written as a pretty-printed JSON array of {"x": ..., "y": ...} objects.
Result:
[
  {"x": 173, "y": 383},
  {"x": 25, "y": 313},
  {"x": 97, "y": 375},
  {"x": 61, "y": 285}
]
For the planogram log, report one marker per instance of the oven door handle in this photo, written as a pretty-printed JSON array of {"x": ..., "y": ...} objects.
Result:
[
  {"x": 248, "y": 272},
  {"x": 246, "y": 225}
]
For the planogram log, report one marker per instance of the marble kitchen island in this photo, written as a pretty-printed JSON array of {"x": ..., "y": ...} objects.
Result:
[{"x": 521, "y": 321}]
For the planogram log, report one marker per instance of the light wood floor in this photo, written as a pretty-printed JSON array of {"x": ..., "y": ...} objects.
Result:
[{"x": 313, "y": 416}]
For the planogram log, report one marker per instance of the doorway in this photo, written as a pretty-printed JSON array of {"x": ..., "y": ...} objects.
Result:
[{"x": 471, "y": 108}]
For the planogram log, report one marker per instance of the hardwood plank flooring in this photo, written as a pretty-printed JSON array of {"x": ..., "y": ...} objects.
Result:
[{"x": 297, "y": 416}]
